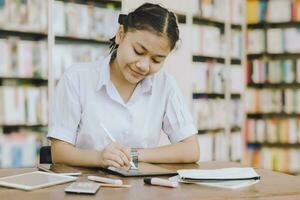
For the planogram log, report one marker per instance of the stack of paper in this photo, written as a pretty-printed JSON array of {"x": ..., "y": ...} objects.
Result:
[{"x": 225, "y": 178}]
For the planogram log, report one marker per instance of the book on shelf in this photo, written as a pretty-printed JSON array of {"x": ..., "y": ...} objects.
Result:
[
  {"x": 23, "y": 58},
  {"x": 207, "y": 115},
  {"x": 67, "y": 54},
  {"x": 278, "y": 40},
  {"x": 210, "y": 41},
  {"x": 274, "y": 7},
  {"x": 273, "y": 131},
  {"x": 23, "y": 15},
  {"x": 280, "y": 159},
  {"x": 255, "y": 41},
  {"x": 23, "y": 105},
  {"x": 274, "y": 40},
  {"x": 208, "y": 77},
  {"x": 213, "y": 146},
  {"x": 267, "y": 11},
  {"x": 19, "y": 149},
  {"x": 272, "y": 101},
  {"x": 206, "y": 40},
  {"x": 215, "y": 10},
  {"x": 84, "y": 21},
  {"x": 272, "y": 71}
]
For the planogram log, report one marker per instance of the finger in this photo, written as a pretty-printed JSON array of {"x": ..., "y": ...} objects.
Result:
[
  {"x": 124, "y": 149},
  {"x": 122, "y": 156},
  {"x": 117, "y": 158},
  {"x": 113, "y": 163}
]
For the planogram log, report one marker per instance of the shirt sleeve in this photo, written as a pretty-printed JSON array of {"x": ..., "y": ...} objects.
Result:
[
  {"x": 65, "y": 111},
  {"x": 177, "y": 122}
]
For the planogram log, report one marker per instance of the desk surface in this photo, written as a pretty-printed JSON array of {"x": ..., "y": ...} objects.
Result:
[{"x": 273, "y": 185}]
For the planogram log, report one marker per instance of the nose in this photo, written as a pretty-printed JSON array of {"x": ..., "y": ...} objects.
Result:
[{"x": 143, "y": 64}]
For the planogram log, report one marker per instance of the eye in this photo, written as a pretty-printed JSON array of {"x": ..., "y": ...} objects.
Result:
[
  {"x": 138, "y": 53},
  {"x": 156, "y": 61}
]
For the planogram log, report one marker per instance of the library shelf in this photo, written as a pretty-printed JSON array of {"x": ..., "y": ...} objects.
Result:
[
  {"x": 274, "y": 85},
  {"x": 98, "y": 3},
  {"x": 269, "y": 144},
  {"x": 24, "y": 80},
  {"x": 201, "y": 95},
  {"x": 262, "y": 25},
  {"x": 197, "y": 19},
  {"x": 79, "y": 40},
  {"x": 23, "y": 34},
  {"x": 181, "y": 18},
  {"x": 275, "y": 56},
  {"x": 202, "y": 58},
  {"x": 272, "y": 115},
  {"x": 216, "y": 130}
]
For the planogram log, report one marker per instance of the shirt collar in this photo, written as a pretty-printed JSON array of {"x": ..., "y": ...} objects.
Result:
[{"x": 104, "y": 77}]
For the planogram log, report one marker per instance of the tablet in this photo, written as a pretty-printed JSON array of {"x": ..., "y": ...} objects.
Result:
[
  {"x": 34, "y": 180},
  {"x": 144, "y": 169}
]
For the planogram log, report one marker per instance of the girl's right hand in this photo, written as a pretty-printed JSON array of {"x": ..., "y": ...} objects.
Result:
[{"x": 115, "y": 155}]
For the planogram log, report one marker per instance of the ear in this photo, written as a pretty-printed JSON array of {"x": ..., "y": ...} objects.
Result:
[{"x": 120, "y": 34}]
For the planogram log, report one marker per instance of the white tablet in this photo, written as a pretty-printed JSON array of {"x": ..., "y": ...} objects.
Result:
[{"x": 34, "y": 180}]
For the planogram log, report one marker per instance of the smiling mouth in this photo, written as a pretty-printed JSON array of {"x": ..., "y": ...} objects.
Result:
[{"x": 137, "y": 73}]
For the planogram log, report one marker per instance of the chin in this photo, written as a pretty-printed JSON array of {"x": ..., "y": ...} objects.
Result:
[{"x": 133, "y": 80}]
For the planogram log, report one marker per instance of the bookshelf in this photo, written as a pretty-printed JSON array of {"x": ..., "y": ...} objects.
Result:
[
  {"x": 32, "y": 36},
  {"x": 272, "y": 114},
  {"x": 218, "y": 57}
]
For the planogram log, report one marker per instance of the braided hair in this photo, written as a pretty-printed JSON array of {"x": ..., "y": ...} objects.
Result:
[{"x": 151, "y": 17}]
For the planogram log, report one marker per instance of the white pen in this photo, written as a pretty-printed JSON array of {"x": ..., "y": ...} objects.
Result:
[
  {"x": 114, "y": 140},
  {"x": 105, "y": 180}
]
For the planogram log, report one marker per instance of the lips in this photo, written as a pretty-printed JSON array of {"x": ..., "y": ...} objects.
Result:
[{"x": 136, "y": 73}]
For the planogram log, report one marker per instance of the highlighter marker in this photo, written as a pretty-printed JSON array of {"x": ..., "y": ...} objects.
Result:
[{"x": 160, "y": 182}]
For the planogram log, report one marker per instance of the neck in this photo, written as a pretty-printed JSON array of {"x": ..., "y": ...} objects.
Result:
[{"x": 124, "y": 87}]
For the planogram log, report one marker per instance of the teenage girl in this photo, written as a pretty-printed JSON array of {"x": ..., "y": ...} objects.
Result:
[{"x": 128, "y": 94}]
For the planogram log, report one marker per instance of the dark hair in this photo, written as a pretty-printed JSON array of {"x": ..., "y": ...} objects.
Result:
[{"x": 151, "y": 17}]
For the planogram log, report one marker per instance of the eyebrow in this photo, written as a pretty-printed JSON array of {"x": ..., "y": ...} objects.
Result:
[{"x": 144, "y": 48}]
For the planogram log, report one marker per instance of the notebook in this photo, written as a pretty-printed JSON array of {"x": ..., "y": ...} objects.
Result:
[
  {"x": 232, "y": 173},
  {"x": 231, "y": 178}
]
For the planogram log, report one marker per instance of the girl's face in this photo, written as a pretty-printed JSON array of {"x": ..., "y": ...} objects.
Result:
[{"x": 140, "y": 54}]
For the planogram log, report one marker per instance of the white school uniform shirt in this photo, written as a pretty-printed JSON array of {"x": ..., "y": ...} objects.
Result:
[{"x": 86, "y": 97}]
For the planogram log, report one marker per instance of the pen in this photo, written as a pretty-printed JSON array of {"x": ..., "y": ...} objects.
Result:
[{"x": 114, "y": 140}]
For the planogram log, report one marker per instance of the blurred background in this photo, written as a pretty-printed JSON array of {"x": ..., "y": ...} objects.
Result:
[{"x": 237, "y": 64}]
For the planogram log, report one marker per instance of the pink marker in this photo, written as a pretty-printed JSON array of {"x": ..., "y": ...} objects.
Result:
[{"x": 160, "y": 182}]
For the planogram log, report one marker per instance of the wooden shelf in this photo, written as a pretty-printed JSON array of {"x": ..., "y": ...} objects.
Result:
[
  {"x": 198, "y": 95},
  {"x": 267, "y": 144},
  {"x": 200, "y": 58},
  {"x": 181, "y": 18},
  {"x": 7, "y": 129},
  {"x": 98, "y": 3},
  {"x": 272, "y": 115},
  {"x": 274, "y": 56},
  {"x": 216, "y": 130},
  {"x": 262, "y": 25},
  {"x": 29, "y": 80},
  {"x": 274, "y": 85},
  {"x": 69, "y": 39},
  {"x": 204, "y": 21},
  {"x": 28, "y": 35}
]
